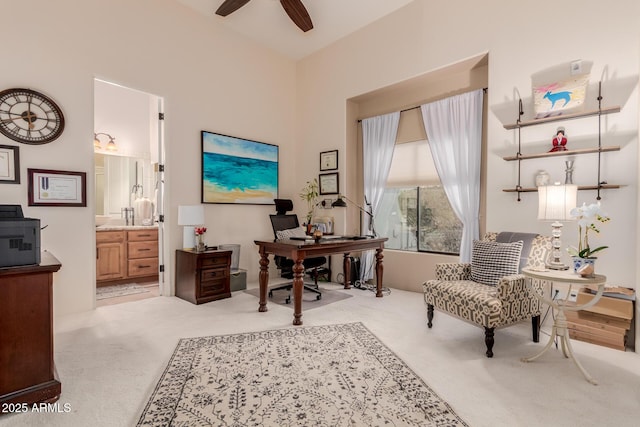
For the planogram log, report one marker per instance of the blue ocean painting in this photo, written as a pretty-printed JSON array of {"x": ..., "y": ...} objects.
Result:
[{"x": 236, "y": 170}]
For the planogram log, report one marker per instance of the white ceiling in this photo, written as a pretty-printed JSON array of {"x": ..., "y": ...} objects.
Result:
[{"x": 266, "y": 21}]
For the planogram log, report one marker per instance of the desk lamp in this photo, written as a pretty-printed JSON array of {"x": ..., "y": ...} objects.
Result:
[
  {"x": 189, "y": 216},
  {"x": 554, "y": 204},
  {"x": 340, "y": 203}
]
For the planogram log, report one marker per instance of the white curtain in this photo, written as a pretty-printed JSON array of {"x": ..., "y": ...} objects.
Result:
[
  {"x": 378, "y": 141},
  {"x": 454, "y": 131}
]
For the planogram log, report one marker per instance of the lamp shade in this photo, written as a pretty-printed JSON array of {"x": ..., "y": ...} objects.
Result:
[
  {"x": 556, "y": 201},
  {"x": 191, "y": 215}
]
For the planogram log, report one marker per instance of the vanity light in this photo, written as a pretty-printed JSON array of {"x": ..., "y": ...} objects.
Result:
[{"x": 111, "y": 145}]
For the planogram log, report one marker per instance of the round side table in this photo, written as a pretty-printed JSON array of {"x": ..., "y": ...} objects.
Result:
[{"x": 560, "y": 323}]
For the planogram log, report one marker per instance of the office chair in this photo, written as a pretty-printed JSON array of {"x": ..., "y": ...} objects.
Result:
[{"x": 282, "y": 221}]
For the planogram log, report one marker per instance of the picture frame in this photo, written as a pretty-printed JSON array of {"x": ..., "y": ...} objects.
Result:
[
  {"x": 328, "y": 183},
  {"x": 57, "y": 188},
  {"x": 329, "y": 160},
  {"x": 237, "y": 170},
  {"x": 9, "y": 164}
]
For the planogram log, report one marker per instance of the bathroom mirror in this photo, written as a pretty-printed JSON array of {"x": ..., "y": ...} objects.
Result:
[{"x": 119, "y": 181}]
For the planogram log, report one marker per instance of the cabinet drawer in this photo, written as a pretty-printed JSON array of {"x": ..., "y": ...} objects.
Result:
[
  {"x": 109, "y": 236},
  {"x": 213, "y": 274},
  {"x": 142, "y": 235},
  {"x": 218, "y": 260},
  {"x": 214, "y": 287},
  {"x": 143, "y": 267},
  {"x": 142, "y": 249}
]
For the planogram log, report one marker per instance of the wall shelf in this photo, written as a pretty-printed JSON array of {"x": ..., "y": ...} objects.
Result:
[
  {"x": 519, "y": 157},
  {"x": 534, "y": 122},
  {"x": 561, "y": 153},
  {"x": 580, "y": 187}
]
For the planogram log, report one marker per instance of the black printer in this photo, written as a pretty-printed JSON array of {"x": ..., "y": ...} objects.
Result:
[{"x": 19, "y": 237}]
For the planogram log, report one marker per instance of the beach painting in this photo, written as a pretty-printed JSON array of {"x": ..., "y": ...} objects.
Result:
[{"x": 236, "y": 170}]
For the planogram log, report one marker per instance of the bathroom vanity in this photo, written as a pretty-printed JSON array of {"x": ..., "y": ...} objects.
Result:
[{"x": 126, "y": 253}]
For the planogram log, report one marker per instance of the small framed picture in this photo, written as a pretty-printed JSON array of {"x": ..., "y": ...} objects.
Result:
[
  {"x": 329, "y": 160},
  {"x": 57, "y": 188},
  {"x": 328, "y": 183},
  {"x": 9, "y": 164}
]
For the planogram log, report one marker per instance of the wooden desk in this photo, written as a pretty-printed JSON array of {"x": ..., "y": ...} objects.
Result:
[
  {"x": 298, "y": 250},
  {"x": 27, "y": 371}
]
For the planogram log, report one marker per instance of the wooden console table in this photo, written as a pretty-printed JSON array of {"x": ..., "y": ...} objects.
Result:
[
  {"x": 298, "y": 250},
  {"x": 27, "y": 371}
]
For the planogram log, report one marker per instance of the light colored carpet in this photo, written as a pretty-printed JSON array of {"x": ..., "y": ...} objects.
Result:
[
  {"x": 109, "y": 360},
  {"x": 112, "y": 291},
  {"x": 309, "y": 301},
  {"x": 333, "y": 375}
]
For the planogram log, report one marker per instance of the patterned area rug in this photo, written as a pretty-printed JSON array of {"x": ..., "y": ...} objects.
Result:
[
  {"x": 103, "y": 292},
  {"x": 334, "y": 375}
]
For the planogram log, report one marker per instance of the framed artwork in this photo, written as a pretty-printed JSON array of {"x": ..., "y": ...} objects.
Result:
[
  {"x": 563, "y": 97},
  {"x": 57, "y": 188},
  {"x": 329, "y": 160},
  {"x": 9, "y": 164},
  {"x": 328, "y": 183},
  {"x": 239, "y": 171}
]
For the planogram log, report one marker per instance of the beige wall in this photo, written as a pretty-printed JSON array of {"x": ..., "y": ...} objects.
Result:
[
  {"x": 434, "y": 35},
  {"x": 209, "y": 79}
]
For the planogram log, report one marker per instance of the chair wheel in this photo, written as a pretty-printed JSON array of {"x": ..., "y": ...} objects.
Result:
[
  {"x": 319, "y": 297},
  {"x": 288, "y": 300},
  {"x": 270, "y": 294}
]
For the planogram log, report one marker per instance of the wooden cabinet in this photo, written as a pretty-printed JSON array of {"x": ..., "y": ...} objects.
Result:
[
  {"x": 202, "y": 277},
  {"x": 125, "y": 254},
  {"x": 110, "y": 255},
  {"x": 142, "y": 253},
  {"x": 27, "y": 372}
]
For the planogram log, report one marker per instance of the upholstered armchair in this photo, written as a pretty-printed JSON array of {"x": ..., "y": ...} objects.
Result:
[{"x": 490, "y": 292}]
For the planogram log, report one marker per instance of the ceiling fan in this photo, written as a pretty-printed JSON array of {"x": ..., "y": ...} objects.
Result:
[{"x": 294, "y": 8}]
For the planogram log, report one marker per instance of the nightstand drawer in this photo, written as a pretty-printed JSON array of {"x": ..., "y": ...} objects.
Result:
[
  {"x": 143, "y": 267},
  {"x": 142, "y": 249},
  {"x": 214, "y": 287},
  {"x": 213, "y": 274},
  {"x": 219, "y": 260}
]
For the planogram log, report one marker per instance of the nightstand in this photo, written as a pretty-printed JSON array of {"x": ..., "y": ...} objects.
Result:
[{"x": 203, "y": 277}]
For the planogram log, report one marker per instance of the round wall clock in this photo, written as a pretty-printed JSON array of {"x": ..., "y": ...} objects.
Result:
[{"x": 29, "y": 117}]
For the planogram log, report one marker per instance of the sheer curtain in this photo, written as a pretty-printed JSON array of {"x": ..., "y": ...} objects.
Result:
[
  {"x": 454, "y": 131},
  {"x": 378, "y": 141}
]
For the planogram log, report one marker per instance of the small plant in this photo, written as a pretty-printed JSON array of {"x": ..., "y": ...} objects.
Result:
[
  {"x": 587, "y": 217},
  {"x": 310, "y": 194}
]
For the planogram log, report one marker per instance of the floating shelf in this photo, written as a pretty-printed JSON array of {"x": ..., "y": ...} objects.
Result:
[
  {"x": 562, "y": 117},
  {"x": 561, "y": 153},
  {"x": 581, "y": 187}
]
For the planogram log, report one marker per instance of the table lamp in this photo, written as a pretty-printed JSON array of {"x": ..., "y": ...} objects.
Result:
[
  {"x": 554, "y": 204},
  {"x": 189, "y": 216}
]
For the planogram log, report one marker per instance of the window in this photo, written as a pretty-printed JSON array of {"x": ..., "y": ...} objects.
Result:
[{"x": 415, "y": 213}]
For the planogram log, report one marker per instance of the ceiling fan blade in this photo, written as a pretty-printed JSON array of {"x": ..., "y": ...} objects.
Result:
[
  {"x": 298, "y": 14},
  {"x": 230, "y": 6}
]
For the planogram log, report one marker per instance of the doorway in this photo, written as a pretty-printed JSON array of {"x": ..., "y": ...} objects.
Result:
[{"x": 129, "y": 188}]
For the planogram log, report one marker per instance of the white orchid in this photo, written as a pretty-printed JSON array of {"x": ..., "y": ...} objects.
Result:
[{"x": 587, "y": 217}]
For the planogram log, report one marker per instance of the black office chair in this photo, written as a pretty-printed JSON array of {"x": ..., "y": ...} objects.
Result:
[{"x": 282, "y": 221}]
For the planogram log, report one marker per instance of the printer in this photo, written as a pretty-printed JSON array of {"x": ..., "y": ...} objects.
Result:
[{"x": 19, "y": 237}]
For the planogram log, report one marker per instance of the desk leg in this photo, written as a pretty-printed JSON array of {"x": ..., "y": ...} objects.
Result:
[
  {"x": 346, "y": 271},
  {"x": 263, "y": 280},
  {"x": 379, "y": 271},
  {"x": 298, "y": 288}
]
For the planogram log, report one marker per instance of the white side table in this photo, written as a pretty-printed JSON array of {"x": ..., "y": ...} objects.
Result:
[{"x": 560, "y": 322}]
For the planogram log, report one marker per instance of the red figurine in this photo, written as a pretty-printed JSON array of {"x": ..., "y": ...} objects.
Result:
[{"x": 559, "y": 141}]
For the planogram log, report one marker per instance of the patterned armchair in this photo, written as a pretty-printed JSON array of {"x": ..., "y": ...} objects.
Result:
[{"x": 489, "y": 306}]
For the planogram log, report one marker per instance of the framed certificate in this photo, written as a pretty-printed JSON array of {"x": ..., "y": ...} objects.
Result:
[
  {"x": 57, "y": 188},
  {"x": 9, "y": 165},
  {"x": 328, "y": 183},
  {"x": 329, "y": 160}
]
